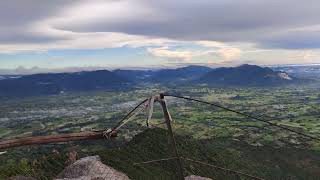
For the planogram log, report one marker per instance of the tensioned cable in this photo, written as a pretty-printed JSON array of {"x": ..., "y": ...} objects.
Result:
[
  {"x": 243, "y": 114},
  {"x": 119, "y": 124},
  {"x": 202, "y": 163},
  {"x": 221, "y": 168},
  {"x": 157, "y": 160}
]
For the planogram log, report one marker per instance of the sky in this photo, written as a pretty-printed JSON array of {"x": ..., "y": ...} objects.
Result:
[{"x": 62, "y": 34}]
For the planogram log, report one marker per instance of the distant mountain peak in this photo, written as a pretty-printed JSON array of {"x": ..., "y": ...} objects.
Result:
[{"x": 246, "y": 74}]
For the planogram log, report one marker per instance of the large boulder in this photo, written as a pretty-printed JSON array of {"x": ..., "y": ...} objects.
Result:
[
  {"x": 193, "y": 177},
  {"x": 90, "y": 168}
]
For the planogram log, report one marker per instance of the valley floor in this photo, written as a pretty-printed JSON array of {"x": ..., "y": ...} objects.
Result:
[{"x": 205, "y": 133}]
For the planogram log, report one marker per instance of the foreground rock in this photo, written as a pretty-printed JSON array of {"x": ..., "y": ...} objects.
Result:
[
  {"x": 193, "y": 177},
  {"x": 89, "y": 168}
]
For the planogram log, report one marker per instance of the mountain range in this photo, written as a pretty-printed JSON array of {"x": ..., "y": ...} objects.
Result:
[
  {"x": 46, "y": 84},
  {"x": 244, "y": 75}
]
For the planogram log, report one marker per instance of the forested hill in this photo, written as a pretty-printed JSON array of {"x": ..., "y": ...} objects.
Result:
[
  {"x": 47, "y": 84},
  {"x": 247, "y": 75},
  {"x": 266, "y": 162}
]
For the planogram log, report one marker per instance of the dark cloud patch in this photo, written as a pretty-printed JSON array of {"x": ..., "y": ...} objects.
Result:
[
  {"x": 17, "y": 13},
  {"x": 17, "y": 19},
  {"x": 294, "y": 40},
  {"x": 220, "y": 20},
  {"x": 22, "y": 37},
  {"x": 267, "y": 23}
]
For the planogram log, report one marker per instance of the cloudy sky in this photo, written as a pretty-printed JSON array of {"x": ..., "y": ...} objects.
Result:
[{"x": 148, "y": 33}]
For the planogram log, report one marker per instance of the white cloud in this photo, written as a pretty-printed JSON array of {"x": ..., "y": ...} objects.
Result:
[
  {"x": 308, "y": 55},
  {"x": 226, "y": 51},
  {"x": 182, "y": 55},
  {"x": 217, "y": 50},
  {"x": 167, "y": 53},
  {"x": 230, "y": 53},
  {"x": 211, "y": 44}
]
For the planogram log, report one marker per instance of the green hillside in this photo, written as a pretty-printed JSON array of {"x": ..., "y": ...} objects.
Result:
[{"x": 266, "y": 161}]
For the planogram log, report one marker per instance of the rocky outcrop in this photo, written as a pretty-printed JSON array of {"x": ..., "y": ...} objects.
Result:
[
  {"x": 90, "y": 168},
  {"x": 193, "y": 177}
]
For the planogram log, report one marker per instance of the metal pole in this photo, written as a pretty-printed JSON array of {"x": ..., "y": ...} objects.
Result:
[{"x": 173, "y": 141}]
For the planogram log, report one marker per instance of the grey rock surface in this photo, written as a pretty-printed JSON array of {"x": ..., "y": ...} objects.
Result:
[
  {"x": 90, "y": 168},
  {"x": 193, "y": 177}
]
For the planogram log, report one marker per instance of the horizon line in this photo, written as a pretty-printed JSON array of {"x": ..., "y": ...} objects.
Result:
[{"x": 71, "y": 69}]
